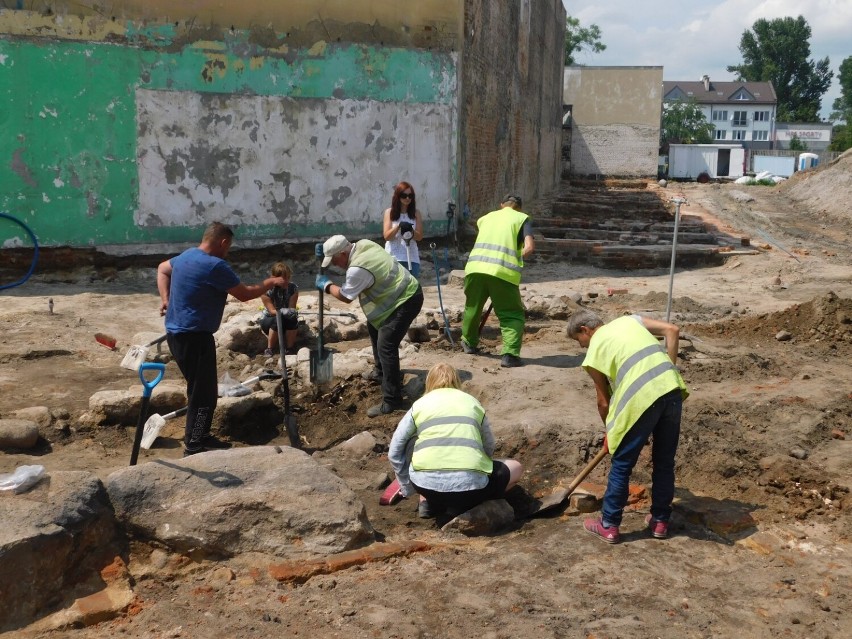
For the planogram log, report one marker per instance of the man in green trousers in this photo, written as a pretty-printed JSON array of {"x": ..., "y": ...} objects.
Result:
[{"x": 493, "y": 271}]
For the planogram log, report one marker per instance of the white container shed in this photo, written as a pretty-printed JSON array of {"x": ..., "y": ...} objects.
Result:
[{"x": 688, "y": 161}]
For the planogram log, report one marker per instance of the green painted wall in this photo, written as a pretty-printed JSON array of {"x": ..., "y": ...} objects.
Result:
[{"x": 68, "y": 126}]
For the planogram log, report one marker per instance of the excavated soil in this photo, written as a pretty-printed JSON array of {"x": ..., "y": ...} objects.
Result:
[{"x": 761, "y": 544}]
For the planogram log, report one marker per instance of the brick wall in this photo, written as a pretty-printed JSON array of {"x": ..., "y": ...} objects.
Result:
[
  {"x": 511, "y": 100},
  {"x": 615, "y": 150}
]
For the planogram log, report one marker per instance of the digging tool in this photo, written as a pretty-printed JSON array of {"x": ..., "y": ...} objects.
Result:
[
  {"x": 406, "y": 237},
  {"x": 678, "y": 201},
  {"x": 440, "y": 299},
  {"x": 155, "y": 422},
  {"x": 391, "y": 495},
  {"x": 558, "y": 496},
  {"x": 105, "y": 340},
  {"x": 321, "y": 363},
  {"x": 332, "y": 313},
  {"x": 147, "y": 389},
  {"x": 139, "y": 354},
  {"x": 289, "y": 418},
  {"x": 485, "y": 316}
]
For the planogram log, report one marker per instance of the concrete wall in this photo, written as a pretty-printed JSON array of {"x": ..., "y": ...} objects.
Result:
[
  {"x": 615, "y": 119},
  {"x": 130, "y": 127},
  {"x": 131, "y": 133},
  {"x": 511, "y": 107}
]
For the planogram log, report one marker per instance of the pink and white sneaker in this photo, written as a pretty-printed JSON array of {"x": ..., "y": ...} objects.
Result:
[
  {"x": 608, "y": 533},
  {"x": 659, "y": 529}
]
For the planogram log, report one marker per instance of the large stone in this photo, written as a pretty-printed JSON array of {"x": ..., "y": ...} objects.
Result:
[
  {"x": 41, "y": 415},
  {"x": 456, "y": 278},
  {"x": 358, "y": 446},
  {"x": 419, "y": 332},
  {"x": 18, "y": 434},
  {"x": 116, "y": 407},
  {"x": 262, "y": 499},
  {"x": 51, "y": 537},
  {"x": 249, "y": 418},
  {"x": 486, "y": 518}
]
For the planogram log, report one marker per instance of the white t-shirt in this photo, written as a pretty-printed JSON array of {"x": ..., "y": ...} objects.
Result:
[
  {"x": 357, "y": 280},
  {"x": 396, "y": 246}
]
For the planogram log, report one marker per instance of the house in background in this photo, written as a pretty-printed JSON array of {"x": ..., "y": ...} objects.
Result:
[
  {"x": 740, "y": 112},
  {"x": 611, "y": 120}
]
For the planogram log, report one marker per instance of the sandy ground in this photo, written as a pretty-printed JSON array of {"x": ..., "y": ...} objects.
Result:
[{"x": 761, "y": 544}]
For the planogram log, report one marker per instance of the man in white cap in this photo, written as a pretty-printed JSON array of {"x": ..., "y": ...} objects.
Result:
[{"x": 389, "y": 296}]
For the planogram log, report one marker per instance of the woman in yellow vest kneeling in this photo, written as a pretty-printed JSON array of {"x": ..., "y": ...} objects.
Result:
[{"x": 442, "y": 450}]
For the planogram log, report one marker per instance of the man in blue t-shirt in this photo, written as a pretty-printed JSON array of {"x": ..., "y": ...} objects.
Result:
[{"x": 193, "y": 288}]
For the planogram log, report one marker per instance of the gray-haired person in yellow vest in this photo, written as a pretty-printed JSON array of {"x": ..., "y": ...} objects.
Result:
[
  {"x": 442, "y": 450},
  {"x": 640, "y": 393},
  {"x": 390, "y": 297},
  {"x": 493, "y": 270}
]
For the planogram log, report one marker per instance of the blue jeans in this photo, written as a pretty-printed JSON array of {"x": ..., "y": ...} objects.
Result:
[
  {"x": 414, "y": 270},
  {"x": 662, "y": 420}
]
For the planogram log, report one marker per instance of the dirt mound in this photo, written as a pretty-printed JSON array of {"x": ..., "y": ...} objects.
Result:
[
  {"x": 825, "y": 320},
  {"x": 825, "y": 190}
]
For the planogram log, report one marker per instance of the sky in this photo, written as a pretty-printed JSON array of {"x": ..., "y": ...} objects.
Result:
[{"x": 691, "y": 38}]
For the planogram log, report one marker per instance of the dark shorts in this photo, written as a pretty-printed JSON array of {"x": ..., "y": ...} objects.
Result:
[
  {"x": 457, "y": 503},
  {"x": 267, "y": 322}
]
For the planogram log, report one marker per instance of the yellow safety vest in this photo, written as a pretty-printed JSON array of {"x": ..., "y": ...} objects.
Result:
[
  {"x": 449, "y": 432},
  {"x": 392, "y": 284},
  {"x": 496, "y": 249},
  {"x": 639, "y": 372}
]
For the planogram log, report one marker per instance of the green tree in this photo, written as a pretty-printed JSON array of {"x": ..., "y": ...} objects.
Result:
[
  {"x": 777, "y": 51},
  {"x": 841, "y": 137},
  {"x": 684, "y": 123},
  {"x": 579, "y": 39},
  {"x": 796, "y": 144}
]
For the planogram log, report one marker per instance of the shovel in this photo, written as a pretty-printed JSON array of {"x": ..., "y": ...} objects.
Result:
[
  {"x": 332, "y": 313},
  {"x": 138, "y": 354},
  {"x": 440, "y": 299},
  {"x": 321, "y": 362},
  {"x": 147, "y": 389},
  {"x": 155, "y": 422},
  {"x": 289, "y": 418},
  {"x": 558, "y": 496}
]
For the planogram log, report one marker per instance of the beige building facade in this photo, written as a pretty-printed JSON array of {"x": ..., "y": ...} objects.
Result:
[{"x": 615, "y": 120}]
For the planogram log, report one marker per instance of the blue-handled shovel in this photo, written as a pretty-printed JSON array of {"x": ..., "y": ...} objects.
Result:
[{"x": 147, "y": 389}]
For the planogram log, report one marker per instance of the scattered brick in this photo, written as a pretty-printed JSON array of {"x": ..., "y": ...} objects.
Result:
[{"x": 300, "y": 571}]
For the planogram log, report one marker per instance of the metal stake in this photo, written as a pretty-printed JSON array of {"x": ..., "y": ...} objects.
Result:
[{"x": 678, "y": 201}]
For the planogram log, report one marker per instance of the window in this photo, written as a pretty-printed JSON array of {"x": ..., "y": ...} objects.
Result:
[
  {"x": 720, "y": 134},
  {"x": 720, "y": 116},
  {"x": 738, "y": 135},
  {"x": 740, "y": 118},
  {"x": 760, "y": 136},
  {"x": 761, "y": 116}
]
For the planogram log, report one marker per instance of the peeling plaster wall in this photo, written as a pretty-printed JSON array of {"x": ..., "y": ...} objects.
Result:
[
  {"x": 511, "y": 111},
  {"x": 284, "y": 141},
  {"x": 247, "y": 160},
  {"x": 615, "y": 119}
]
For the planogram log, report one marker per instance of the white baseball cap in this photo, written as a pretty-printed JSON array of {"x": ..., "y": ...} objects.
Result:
[{"x": 332, "y": 246}]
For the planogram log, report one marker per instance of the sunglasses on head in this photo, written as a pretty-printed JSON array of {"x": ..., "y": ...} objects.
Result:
[{"x": 406, "y": 196}]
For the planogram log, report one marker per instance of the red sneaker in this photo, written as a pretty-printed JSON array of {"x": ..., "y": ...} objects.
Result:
[
  {"x": 608, "y": 534},
  {"x": 658, "y": 528}
]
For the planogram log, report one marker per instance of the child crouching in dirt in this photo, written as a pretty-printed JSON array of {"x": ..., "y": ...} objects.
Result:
[
  {"x": 280, "y": 298},
  {"x": 442, "y": 450}
]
